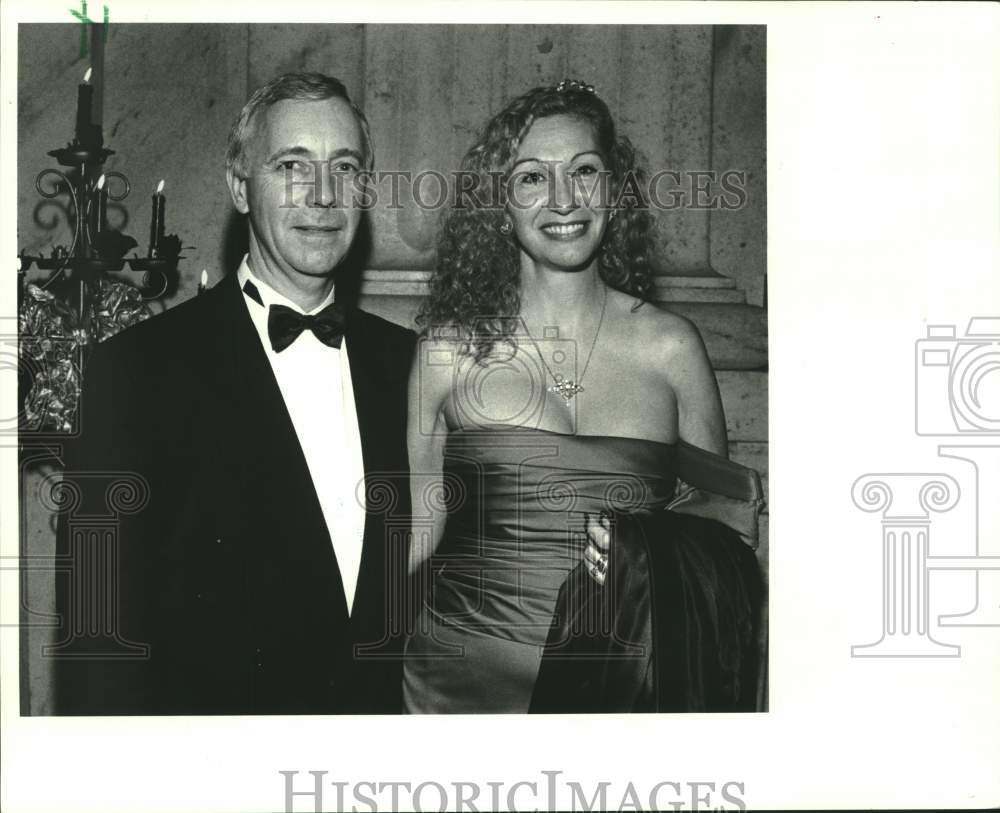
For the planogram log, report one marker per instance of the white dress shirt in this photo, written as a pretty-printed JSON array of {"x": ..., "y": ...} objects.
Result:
[{"x": 315, "y": 383}]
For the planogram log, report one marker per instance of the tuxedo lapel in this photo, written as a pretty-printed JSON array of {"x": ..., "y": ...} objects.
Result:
[
  {"x": 270, "y": 486},
  {"x": 379, "y": 361},
  {"x": 293, "y": 585},
  {"x": 362, "y": 355}
]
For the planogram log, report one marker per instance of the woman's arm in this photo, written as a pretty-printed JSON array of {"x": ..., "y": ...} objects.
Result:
[
  {"x": 429, "y": 387},
  {"x": 701, "y": 421}
]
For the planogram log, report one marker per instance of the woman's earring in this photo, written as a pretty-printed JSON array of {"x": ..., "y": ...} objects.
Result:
[{"x": 506, "y": 228}]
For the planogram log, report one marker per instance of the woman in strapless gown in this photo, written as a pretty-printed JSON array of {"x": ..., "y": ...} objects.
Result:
[
  {"x": 548, "y": 393},
  {"x": 520, "y": 498}
]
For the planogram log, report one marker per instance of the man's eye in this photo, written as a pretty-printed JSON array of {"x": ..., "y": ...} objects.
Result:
[
  {"x": 345, "y": 166},
  {"x": 291, "y": 164}
]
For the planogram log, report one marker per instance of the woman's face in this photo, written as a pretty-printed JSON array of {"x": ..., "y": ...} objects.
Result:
[{"x": 556, "y": 194}]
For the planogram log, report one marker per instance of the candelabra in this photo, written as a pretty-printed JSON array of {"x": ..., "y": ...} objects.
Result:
[{"x": 88, "y": 290}]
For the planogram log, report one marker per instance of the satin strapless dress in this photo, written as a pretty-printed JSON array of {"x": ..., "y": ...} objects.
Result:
[{"x": 515, "y": 529}]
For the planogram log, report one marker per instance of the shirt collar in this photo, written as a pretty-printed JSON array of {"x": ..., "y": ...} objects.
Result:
[{"x": 271, "y": 297}]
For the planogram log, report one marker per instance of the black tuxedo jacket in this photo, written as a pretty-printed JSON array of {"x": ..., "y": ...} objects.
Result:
[{"x": 227, "y": 578}]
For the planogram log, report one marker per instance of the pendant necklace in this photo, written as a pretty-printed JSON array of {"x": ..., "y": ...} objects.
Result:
[{"x": 567, "y": 387}]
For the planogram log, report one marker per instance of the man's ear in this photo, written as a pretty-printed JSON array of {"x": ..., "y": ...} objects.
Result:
[{"x": 238, "y": 190}]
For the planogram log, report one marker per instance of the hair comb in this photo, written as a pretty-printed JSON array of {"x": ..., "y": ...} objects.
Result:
[{"x": 574, "y": 84}]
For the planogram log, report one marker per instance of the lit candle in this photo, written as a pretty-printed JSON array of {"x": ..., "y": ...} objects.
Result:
[
  {"x": 84, "y": 102},
  {"x": 102, "y": 206},
  {"x": 203, "y": 282},
  {"x": 156, "y": 225}
]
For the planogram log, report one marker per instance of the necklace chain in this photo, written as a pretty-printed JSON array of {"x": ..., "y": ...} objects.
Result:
[{"x": 567, "y": 387}]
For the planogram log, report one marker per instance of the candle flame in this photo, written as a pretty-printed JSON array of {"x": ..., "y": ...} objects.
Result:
[
  {"x": 204, "y": 277},
  {"x": 86, "y": 76},
  {"x": 100, "y": 182},
  {"x": 159, "y": 187},
  {"x": 19, "y": 265}
]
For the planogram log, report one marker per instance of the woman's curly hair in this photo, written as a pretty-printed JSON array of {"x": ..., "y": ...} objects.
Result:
[{"x": 475, "y": 289}]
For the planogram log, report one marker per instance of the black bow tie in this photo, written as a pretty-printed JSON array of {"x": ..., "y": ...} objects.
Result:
[{"x": 284, "y": 325}]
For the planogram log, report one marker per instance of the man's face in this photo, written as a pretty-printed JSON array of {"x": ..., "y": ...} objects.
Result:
[{"x": 302, "y": 159}]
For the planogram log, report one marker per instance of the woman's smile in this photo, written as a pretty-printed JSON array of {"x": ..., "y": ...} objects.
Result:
[{"x": 565, "y": 231}]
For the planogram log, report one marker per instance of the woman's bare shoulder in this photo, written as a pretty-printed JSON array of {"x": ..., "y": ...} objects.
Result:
[
  {"x": 660, "y": 331},
  {"x": 435, "y": 362},
  {"x": 673, "y": 347}
]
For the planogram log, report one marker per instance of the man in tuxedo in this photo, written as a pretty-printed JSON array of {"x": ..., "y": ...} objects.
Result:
[{"x": 264, "y": 422}]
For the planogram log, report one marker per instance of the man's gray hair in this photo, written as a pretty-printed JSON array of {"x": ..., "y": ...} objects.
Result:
[{"x": 302, "y": 86}]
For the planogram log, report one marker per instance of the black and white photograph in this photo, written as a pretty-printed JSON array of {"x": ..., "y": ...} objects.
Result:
[
  {"x": 439, "y": 386},
  {"x": 397, "y": 401}
]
